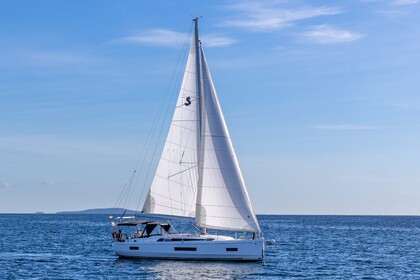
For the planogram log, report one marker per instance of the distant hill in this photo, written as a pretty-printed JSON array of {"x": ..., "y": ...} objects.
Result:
[{"x": 102, "y": 211}]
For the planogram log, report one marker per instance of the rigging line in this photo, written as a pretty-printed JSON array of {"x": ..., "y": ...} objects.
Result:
[
  {"x": 182, "y": 171},
  {"x": 129, "y": 189},
  {"x": 177, "y": 70},
  {"x": 183, "y": 127},
  {"x": 124, "y": 193},
  {"x": 175, "y": 201},
  {"x": 175, "y": 121},
  {"x": 174, "y": 181},
  {"x": 121, "y": 197},
  {"x": 171, "y": 162}
]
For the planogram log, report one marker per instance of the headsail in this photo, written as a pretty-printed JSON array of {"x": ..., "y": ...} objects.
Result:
[
  {"x": 174, "y": 187},
  {"x": 223, "y": 201}
]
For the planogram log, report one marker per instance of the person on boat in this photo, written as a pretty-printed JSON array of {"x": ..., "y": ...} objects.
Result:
[
  {"x": 119, "y": 235},
  {"x": 138, "y": 233}
]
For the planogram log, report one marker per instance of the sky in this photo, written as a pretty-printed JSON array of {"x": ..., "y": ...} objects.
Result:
[{"x": 321, "y": 99}]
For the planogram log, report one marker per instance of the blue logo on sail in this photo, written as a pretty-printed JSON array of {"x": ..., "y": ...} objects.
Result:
[{"x": 188, "y": 103}]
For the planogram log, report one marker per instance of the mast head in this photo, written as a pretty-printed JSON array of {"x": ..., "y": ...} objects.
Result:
[
  {"x": 196, "y": 19},
  {"x": 196, "y": 37}
]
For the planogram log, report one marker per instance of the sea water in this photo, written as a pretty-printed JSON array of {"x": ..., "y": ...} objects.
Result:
[{"x": 48, "y": 246}]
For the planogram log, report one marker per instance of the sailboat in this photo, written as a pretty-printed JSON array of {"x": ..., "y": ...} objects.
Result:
[{"x": 198, "y": 177}]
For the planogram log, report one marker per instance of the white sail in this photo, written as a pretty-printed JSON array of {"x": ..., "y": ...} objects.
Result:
[
  {"x": 223, "y": 201},
  {"x": 174, "y": 187}
]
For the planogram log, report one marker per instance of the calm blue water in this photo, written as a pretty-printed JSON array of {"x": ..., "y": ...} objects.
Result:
[{"x": 308, "y": 247}]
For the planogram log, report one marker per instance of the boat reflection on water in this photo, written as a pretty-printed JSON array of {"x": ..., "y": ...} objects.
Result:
[{"x": 164, "y": 269}]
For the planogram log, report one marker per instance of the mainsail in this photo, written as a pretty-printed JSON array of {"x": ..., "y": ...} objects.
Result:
[{"x": 198, "y": 174}]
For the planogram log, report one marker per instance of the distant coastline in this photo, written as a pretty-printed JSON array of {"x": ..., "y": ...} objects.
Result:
[
  {"x": 119, "y": 211},
  {"x": 104, "y": 211}
]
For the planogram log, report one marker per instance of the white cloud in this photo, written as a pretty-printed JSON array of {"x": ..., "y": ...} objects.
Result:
[
  {"x": 49, "y": 183},
  {"x": 6, "y": 185},
  {"x": 342, "y": 127},
  {"x": 169, "y": 38},
  {"x": 393, "y": 13},
  {"x": 158, "y": 37},
  {"x": 263, "y": 16},
  {"x": 327, "y": 34},
  {"x": 405, "y": 2},
  {"x": 217, "y": 41}
]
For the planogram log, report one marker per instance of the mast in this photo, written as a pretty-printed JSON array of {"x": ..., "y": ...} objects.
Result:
[
  {"x": 200, "y": 142},
  {"x": 199, "y": 90}
]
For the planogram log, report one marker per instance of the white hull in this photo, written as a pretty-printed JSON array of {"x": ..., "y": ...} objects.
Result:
[{"x": 221, "y": 248}]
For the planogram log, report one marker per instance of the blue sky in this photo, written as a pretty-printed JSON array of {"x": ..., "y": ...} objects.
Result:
[{"x": 321, "y": 99}]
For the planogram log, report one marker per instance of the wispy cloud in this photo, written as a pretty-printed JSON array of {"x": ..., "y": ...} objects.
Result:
[
  {"x": 49, "y": 183},
  {"x": 7, "y": 185},
  {"x": 157, "y": 37},
  {"x": 394, "y": 13},
  {"x": 327, "y": 34},
  {"x": 217, "y": 40},
  {"x": 405, "y": 2},
  {"x": 265, "y": 16},
  {"x": 342, "y": 127},
  {"x": 169, "y": 38}
]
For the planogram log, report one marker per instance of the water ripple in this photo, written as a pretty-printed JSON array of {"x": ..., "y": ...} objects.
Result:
[{"x": 308, "y": 247}]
